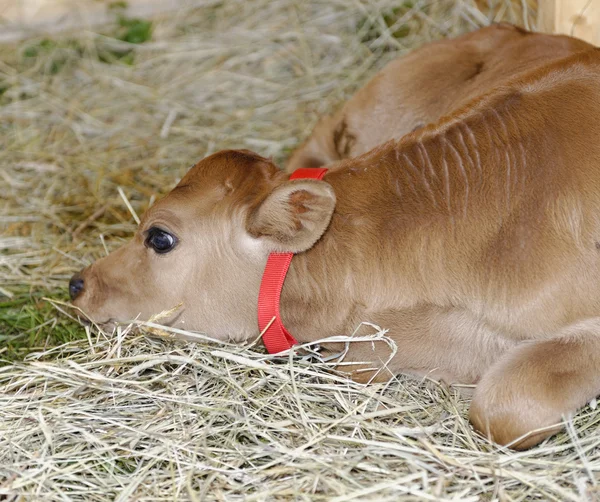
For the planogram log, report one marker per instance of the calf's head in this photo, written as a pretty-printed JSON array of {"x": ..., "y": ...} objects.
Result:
[{"x": 204, "y": 247}]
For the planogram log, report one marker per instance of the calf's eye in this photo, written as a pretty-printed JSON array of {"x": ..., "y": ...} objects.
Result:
[{"x": 159, "y": 240}]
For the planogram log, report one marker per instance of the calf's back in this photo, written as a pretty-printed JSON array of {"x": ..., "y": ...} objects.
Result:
[{"x": 429, "y": 82}]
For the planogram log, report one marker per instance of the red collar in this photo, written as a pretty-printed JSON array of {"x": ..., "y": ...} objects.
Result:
[{"x": 275, "y": 337}]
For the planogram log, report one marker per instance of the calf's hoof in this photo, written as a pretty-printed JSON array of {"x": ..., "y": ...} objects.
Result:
[{"x": 519, "y": 421}]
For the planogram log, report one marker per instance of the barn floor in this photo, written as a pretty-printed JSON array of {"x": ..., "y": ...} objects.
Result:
[{"x": 93, "y": 122}]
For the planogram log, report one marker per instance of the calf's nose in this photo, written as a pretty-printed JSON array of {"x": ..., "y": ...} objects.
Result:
[{"x": 76, "y": 286}]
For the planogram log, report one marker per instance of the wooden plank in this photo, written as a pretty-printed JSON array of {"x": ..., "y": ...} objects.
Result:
[
  {"x": 25, "y": 18},
  {"x": 578, "y": 18}
]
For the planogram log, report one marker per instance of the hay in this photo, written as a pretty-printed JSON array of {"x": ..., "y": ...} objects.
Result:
[
  {"x": 132, "y": 417},
  {"x": 140, "y": 416}
]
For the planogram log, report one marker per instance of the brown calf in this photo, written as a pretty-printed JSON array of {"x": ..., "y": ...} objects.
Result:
[
  {"x": 426, "y": 84},
  {"x": 476, "y": 241}
]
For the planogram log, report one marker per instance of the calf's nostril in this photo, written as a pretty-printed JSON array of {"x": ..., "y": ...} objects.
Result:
[{"x": 76, "y": 285}]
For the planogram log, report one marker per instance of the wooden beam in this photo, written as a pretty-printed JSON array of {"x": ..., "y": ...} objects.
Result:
[{"x": 578, "y": 18}]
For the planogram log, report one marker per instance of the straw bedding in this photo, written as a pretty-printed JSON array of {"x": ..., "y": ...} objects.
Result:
[{"x": 93, "y": 123}]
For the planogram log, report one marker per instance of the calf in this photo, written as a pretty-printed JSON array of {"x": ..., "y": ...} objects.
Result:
[
  {"x": 426, "y": 84},
  {"x": 475, "y": 241}
]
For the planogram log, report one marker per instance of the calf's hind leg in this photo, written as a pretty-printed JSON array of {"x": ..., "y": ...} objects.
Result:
[{"x": 537, "y": 383}]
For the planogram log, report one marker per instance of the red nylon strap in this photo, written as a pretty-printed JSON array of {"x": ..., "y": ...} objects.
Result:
[{"x": 275, "y": 337}]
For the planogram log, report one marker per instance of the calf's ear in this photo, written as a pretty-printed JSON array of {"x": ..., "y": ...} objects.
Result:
[{"x": 293, "y": 216}]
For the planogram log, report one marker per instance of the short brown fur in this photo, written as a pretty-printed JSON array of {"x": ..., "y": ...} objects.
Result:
[
  {"x": 426, "y": 84},
  {"x": 472, "y": 240}
]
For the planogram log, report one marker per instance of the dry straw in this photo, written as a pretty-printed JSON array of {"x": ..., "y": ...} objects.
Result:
[{"x": 137, "y": 415}]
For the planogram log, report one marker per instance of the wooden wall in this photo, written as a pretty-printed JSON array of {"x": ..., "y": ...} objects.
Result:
[{"x": 579, "y": 18}]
